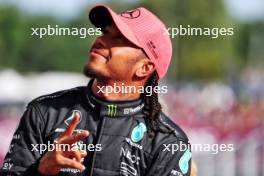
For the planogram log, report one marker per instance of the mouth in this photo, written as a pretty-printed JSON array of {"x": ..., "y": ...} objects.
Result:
[{"x": 97, "y": 52}]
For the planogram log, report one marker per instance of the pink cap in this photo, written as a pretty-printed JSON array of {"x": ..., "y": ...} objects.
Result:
[{"x": 143, "y": 29}]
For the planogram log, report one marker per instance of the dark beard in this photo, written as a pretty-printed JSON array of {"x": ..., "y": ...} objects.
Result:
[{"x": 91, "y": 73}]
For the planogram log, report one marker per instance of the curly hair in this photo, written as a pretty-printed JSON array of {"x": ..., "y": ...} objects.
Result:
[{"x": 152, "y": 107}]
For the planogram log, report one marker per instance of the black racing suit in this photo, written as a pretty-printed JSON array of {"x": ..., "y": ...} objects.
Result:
[{"x": 118, "y": 144}]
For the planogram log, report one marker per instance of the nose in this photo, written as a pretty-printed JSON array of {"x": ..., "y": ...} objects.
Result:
[{"x": 99, "y": 43}]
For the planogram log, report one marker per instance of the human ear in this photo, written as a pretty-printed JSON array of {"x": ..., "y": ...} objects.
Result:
[{"x": 144, "y": 68}]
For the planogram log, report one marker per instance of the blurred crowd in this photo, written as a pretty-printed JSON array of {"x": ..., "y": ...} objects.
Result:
[
  {"x": 223, "y": 113},
  {"x": 227, "y": 109}
]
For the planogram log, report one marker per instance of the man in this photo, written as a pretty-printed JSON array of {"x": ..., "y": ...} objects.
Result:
[{"x": 122, "y": 133}]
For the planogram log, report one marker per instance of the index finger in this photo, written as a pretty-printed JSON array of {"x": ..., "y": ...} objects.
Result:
[
  {"x": 72, "y": 125},
  {"x": 75, "y": 138}
]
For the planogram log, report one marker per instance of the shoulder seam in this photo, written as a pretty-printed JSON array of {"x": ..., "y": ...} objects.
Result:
[
  {"x": 39, "y": 111},
  {"x": 34, "y": 105},
  {"x": 55, "y": 94},
  {"x": 167, "y": 125},
  {"x": 171, "y": 128}
]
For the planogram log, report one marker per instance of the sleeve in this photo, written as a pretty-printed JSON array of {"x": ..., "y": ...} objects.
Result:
[
  {"x": 172, "y": 159},
  {"x": 22, "y": 156}
]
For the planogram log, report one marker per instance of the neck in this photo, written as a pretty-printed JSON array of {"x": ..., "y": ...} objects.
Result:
[{"x": 117, "y": 90}]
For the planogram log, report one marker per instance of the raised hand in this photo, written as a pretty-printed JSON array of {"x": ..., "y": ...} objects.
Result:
[{"x": 53, "y": 161}]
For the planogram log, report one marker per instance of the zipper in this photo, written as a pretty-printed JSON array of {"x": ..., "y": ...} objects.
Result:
[{"x": 98, "y": 141}]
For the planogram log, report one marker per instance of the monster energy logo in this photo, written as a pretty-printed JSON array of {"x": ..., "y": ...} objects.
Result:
[{"x": 111, "y": 110}]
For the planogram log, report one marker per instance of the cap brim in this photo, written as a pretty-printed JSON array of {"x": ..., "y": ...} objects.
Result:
[{"x": 101, "y": 16}]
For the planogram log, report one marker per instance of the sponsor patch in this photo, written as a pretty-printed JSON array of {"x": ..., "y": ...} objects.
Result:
[
  {"x": 138, "y": 132},
  {"x": 68, "y": 120},
  {"x": 111, "y": 110},
  {"x": 184, "y": 161},
  {"x": 175, "y": 173}
]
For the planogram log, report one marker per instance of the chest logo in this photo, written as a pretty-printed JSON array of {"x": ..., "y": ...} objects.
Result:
[
  {"x": 111, "y": 110},
  {"x": 138, "y": 132},
  {"x": 69, "y": 119},
  {"x": 184, "y": 161}
]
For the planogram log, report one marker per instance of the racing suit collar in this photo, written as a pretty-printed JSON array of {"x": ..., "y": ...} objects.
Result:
[{"x": 113, "y": 108}]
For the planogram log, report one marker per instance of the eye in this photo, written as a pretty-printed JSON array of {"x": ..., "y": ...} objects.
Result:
[{"x": 119, "y": 37}]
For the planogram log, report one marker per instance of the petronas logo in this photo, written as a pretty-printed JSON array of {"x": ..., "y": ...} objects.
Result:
[{"x": 111, "y": 110}]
